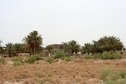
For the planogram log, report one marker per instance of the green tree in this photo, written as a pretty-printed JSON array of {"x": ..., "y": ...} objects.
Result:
[
  {"x": 1, "y": 48},
  {"x": 9, "y": 49},
  {"x": 49, "y": 48},
  {"x": 66, "y": 47},
  {"x": 87, "y": 48},
  {"x": 18, "y": 48},
  {"x": 109, "y": 43},
  {"x": 105, "y": 43},
  {"x": 33, "y": 42},
  {"x": 72, "y": 47}
]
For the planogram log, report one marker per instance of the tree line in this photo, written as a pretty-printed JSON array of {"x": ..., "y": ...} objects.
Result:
[{"x": 32, "y": 44}]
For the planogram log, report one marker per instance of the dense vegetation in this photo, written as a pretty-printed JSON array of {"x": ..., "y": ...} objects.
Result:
[
  {"x": 110, "y": 43},
  {"x": 104, "y": 48}
]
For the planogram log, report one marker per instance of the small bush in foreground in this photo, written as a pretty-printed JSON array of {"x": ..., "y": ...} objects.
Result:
[
  {"x": 17, "y": 61},
  {"x": 60, "y": 54},
  {"x": 33, "y": 58},
  {"x": 105, "y": 55},
  {"x": 110, "y": 55},
  {"x": 67, "y": 58},
  {"x": 2, "y": 61},
  {"x": 113, "y": 77},
  {"x": 93, "y": 56},
  {"x": 50, "y": 60}
]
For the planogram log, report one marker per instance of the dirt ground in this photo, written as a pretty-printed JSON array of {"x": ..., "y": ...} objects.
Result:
[{"x": 79, "y": 71}]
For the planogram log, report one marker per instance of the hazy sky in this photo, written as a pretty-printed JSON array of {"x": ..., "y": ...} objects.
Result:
[{"x": 62, "y": 20}]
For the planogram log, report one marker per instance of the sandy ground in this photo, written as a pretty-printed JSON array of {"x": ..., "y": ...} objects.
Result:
[{"x": 79, "y": 71}]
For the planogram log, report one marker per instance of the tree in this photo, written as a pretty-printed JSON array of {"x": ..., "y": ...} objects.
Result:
[
  {"x": 72, "y": 47},
  {"x": 49, "y": 47},
  {"x": 1, "y": 48},
  {"x": 9, "y": 49},
  {"x": 109, "y": 43},
  {"x": 105, "y": 43},
  {"x": 18, "y": 48},
  {"x": 54, "y": 47},
  {"x": 33, "y": 42},
  {"x": 66, "y": 47},
  {"x": 87, "y": 48}
]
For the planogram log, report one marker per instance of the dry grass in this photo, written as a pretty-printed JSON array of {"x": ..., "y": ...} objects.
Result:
[{"x": 79, "y": 71}]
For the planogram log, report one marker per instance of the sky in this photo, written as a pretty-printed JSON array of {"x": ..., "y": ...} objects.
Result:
[{"x": 62, "y": 20}]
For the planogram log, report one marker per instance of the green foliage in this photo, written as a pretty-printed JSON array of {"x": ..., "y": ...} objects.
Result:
[
  {"x": 68, "y": 58},
  {"x": 71, "y": 47},
  {"x": 110, "y": 43},
  {"x": 105, "y": 55},
  {"x": 17, "y": 61},
  {"x": 33, "y": 59},
  {"x": 87, "y": 48},
  {"x": 113, "y": 77},
  {"x": 10, "y": 49},
  {"x": 49, "y": 47},
  {"x": 33, "y": 42},
  {"x": 1, "y": 50},
  {"x": 50, "y": 60},
  {"x": 2, "y": 61},
  {"x": 18, "y": 48},
  {"x": 14, "y": 49},
  {"x": 93, "y": 56},
  {"x": 60, "y": 54},
  {"x": 105, "y": 73},
  {"x": 110, "y": 55}
]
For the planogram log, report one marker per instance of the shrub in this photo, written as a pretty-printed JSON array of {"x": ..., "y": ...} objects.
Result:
[
  {"x": 110, "y": 55},
  {"x": 104, "y": 73},
  {"x": 113, "y": 77},
  {"x": 2, "y": 61},
  {"x": 68, "y": 58},
  {"x": 60, "y": 54},
  {"x": 33, "y": 58},
  {"x": 17, "y": 61},
  {"x": 50, "y": 60},
  {"x": 93, "y": 56}
]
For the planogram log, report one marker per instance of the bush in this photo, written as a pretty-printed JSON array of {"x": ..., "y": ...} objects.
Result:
[
  {"x": 113, "y": 77},
  {"x": 33, "y": 58},
  {"x": 104, "y": 73},
  {"x": 2, "y": 61},
  {"x": 50, "y": 60},
  {"x": 92, "y": 56},
  {"x": 110, "y": 55},
  {"x": 105, "y": 55},
  {"x": 60, "y": 54},
  {"x": 17, "y": 61},
  {"x": 68, "y": 58}
]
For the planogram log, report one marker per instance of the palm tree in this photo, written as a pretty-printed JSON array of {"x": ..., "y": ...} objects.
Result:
[
  {"x": 9, "y": 49},
  {"x": 73, "y": 47},
  {"x": 87, "y": 48},
  {"x": 49, "y": 47},
  {"x": 18, "y": 48},
  {"x": 110, "y": 43},
  {"x": 33, "y": 42}
]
